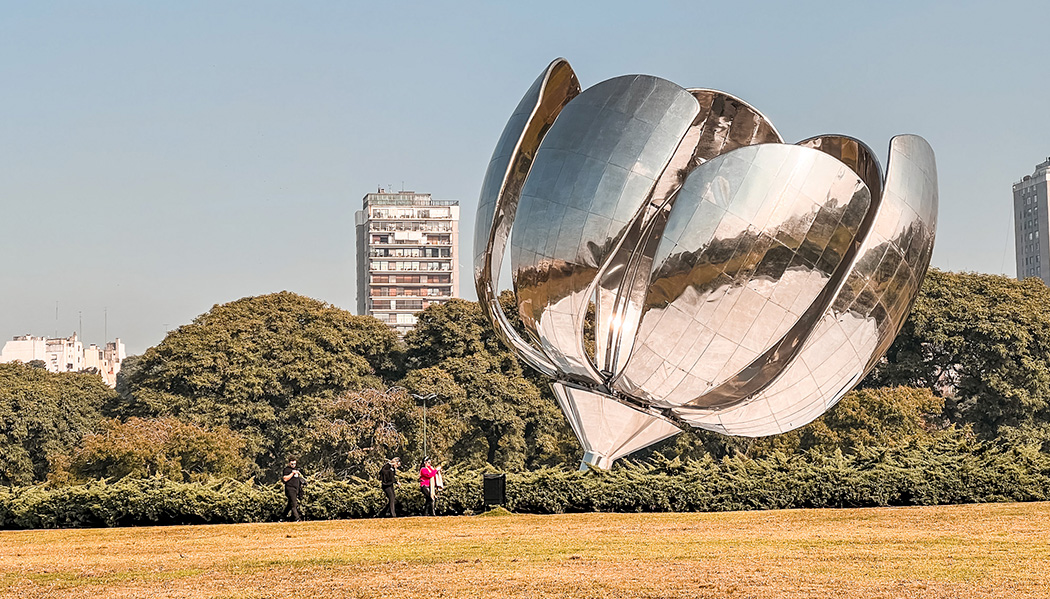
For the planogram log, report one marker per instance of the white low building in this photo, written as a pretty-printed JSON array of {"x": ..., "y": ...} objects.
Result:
[{"x": 67, "y": 355}]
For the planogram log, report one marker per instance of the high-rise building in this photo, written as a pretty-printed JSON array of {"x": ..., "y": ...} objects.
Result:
[
  {"x": 1031, "y": 230},
  {"x": 407, "y": 255}
]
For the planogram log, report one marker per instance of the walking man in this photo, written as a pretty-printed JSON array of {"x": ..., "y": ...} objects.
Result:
[
  {"x": 293, "y": 482},
  {"x": 388, "y": 478}
]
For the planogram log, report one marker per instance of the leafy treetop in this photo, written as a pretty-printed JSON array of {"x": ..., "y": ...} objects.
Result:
[
  {"x": 260, "y": 365},
  {"x": 42, "y": 415}
]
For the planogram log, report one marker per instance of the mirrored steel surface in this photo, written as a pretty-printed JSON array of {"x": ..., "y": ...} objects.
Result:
[
  {"x": 608, "y": 429},
  {"x": 753, "y": 241},
  {"x": 854, "y": 154},
  {"x": 739, "y": 284},
  {"x": 501, "y": 190},
  {"x": 724, "y": 123},
  {"x": 593, "y": 174},
  {"x": 867, "y": 313}
]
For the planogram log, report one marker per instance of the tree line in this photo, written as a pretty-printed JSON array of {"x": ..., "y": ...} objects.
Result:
[{"x": 249, "y": 383}]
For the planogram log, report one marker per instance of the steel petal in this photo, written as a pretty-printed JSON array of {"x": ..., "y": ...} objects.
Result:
[
  {"x": 754, "y": 240},
  {"x": 724, "y": 123},
  {"x": 868, "y": 311},
  {"x": 501, "y": 191},
  {"x": 593, "y": 175}
]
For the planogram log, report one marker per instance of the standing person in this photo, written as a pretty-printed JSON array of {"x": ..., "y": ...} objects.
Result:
[
  {"x": 293, "y": 483},
  {"x": 427, "y": 484},
  {"x": 388, "y": 478}
]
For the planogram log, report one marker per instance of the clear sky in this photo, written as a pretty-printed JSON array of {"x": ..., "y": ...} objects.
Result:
[{"x": 157, "y": 158}]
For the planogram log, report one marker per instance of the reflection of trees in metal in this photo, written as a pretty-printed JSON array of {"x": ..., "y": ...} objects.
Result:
[{"x": 738, "y": 284}]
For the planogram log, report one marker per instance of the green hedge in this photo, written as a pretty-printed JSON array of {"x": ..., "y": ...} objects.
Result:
[
  {"x": 135, "y": 502},
  {"x": 950, "y": 471}
]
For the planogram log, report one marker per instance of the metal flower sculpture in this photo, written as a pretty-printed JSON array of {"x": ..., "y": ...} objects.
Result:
[{"x": 738, "y": 284}]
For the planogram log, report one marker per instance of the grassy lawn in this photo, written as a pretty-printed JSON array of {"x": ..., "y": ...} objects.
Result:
[{"x": 996, "y": 550}]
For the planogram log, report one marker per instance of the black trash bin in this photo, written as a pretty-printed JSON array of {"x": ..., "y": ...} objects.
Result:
[{"x": 495, "y": 489}]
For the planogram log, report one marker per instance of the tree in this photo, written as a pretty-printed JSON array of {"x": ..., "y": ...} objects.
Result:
[
  {"x": 446, "y": 427},
  {"x": 452, "y": 330},
  {"x": 44, "y": 414},
  {"x": 980, "y": 341},
  {"x": 141, "y": 448},
  {"x": 262, "y": 366},
  {"x": 357, "y": 432},
  {"x": 884, "y": 417}
]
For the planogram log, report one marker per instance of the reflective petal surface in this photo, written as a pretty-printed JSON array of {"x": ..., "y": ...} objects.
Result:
[
  {"x": 739, "y": 284},
  {"x": 867, "y": 313},
  {"x": 501, "y": 190},
  {"x": 749, "y": 249},
  {"x": 608, "y": 429},
  {"x": 593, "y": 174},
  {"x": 724, "y": 123}
]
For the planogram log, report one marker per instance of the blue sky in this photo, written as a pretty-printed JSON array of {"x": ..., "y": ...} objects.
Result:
[{"x": 159, "y": 158}]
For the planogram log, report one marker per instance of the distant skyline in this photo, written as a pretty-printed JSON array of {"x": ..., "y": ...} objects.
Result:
[{"x": 159, "y": 158}]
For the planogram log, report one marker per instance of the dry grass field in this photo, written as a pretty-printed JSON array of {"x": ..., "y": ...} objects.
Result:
[{"x": 1000, "y": 550}]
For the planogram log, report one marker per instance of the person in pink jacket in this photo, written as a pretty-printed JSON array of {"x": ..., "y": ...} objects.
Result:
[{"x": 428, "y": 486}]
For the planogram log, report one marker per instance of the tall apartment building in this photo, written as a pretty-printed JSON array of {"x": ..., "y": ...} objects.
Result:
[
  {"x": 1031, "y": 230},
  {"x": 407, "y": 255},
  {"x": 67, "y": 355}
]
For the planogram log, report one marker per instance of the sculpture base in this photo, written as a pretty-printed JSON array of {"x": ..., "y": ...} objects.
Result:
[{"x": 606, "y": 428}]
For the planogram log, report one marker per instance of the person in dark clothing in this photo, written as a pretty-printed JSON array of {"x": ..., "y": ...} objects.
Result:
[
  {"x": 293, "y": 483},
  {"x": 388, "y": 478}
]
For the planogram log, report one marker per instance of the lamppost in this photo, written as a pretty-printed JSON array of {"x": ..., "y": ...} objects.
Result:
[{"x": 424, "y": 399}]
